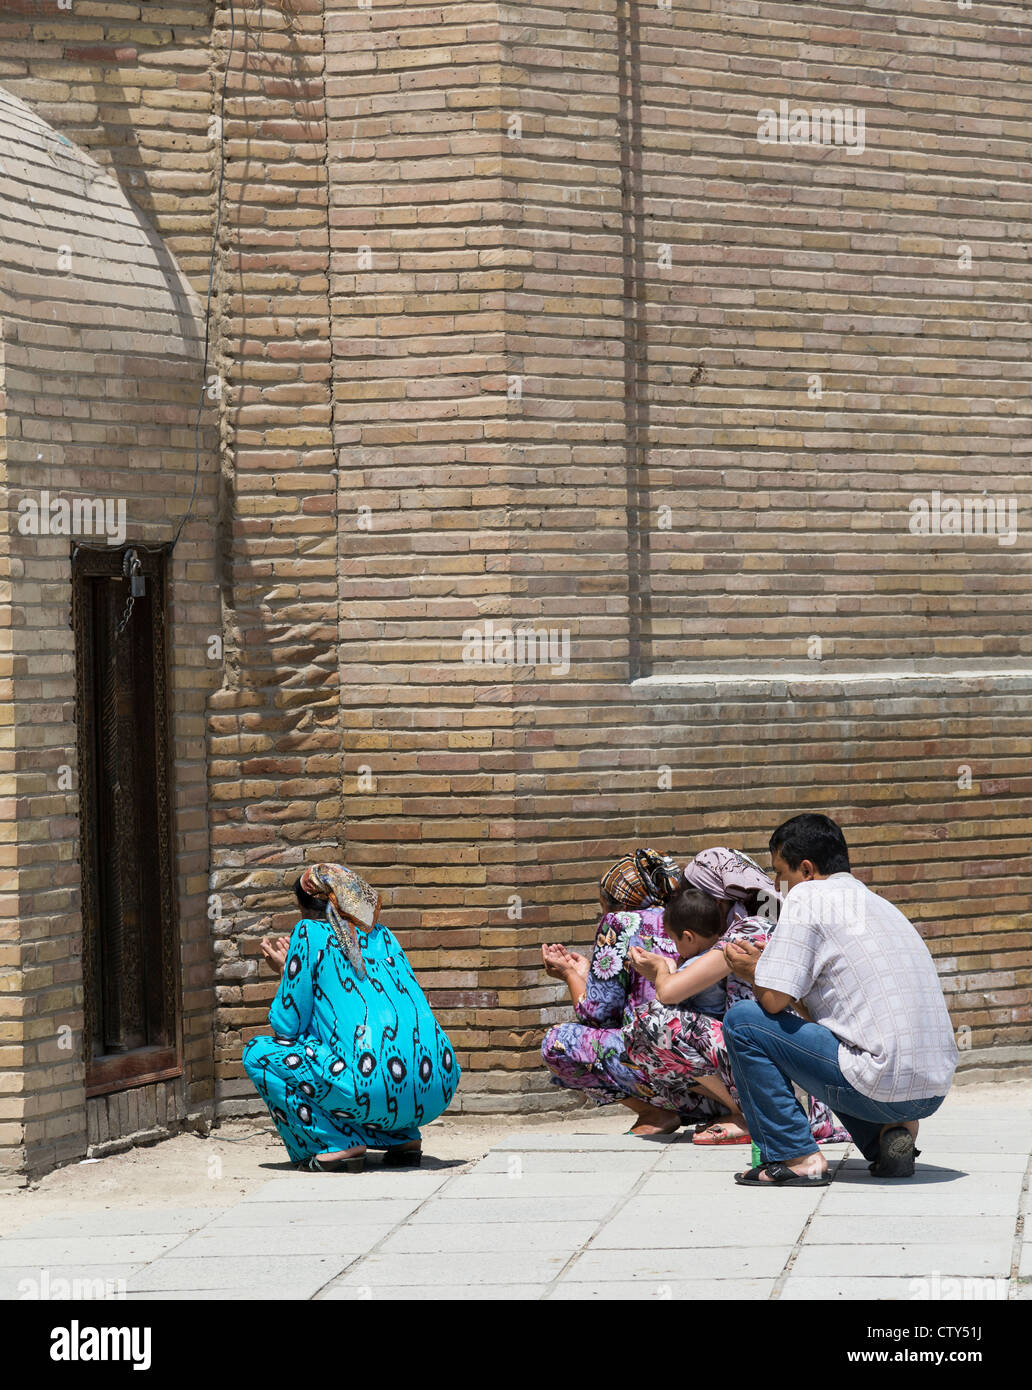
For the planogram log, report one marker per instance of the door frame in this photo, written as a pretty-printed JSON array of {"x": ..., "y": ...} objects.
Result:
[{"x": 153, "y": 1062}]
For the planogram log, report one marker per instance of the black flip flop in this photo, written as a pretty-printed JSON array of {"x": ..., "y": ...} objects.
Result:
[
  {"x": 780, "y": 1175},
  {"x": 315, "y": 1164}
]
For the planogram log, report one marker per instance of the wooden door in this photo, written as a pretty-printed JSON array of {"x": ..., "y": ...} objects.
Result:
[{"x": 133, "y": 1023}]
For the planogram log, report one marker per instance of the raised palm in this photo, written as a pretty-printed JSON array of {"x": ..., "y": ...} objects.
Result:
[
  {"x": 560, "y": 963},
  {"x": 275, "y": 952}
]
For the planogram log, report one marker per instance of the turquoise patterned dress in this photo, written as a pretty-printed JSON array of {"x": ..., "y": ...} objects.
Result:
[{"x": 350, "y": 1061}]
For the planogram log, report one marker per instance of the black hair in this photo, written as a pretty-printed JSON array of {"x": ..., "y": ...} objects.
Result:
[
  {"x": 812, "y": 837},
  {"x": 692, "y": 910},
  {"x": 311, "y": 907}
]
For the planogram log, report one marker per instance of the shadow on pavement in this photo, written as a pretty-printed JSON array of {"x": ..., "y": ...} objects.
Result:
[
  {"x": 926, "y": 1175},
  {"x": 373, "y": 1163}
]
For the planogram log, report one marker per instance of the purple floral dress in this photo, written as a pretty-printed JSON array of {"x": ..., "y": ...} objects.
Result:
[{"x": 589, "y": 1054}]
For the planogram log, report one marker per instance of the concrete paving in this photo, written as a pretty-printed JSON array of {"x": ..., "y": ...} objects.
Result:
[{"x": 570, "y": 1215}]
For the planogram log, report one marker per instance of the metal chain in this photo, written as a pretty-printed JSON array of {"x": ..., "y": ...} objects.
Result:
[{"x": 125, "y": 616}]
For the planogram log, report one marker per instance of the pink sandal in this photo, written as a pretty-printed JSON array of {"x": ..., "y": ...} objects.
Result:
[{"x": 724, "y": 1138}]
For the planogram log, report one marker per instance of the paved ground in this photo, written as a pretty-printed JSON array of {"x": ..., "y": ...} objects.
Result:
[{"x": 564, "y": 1210}]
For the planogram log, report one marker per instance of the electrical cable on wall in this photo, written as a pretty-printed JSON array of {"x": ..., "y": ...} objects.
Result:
[{"x": 211, "y": 277}]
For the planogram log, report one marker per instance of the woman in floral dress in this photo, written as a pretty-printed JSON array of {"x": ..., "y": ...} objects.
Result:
[{"x": 588, "y": 1053}]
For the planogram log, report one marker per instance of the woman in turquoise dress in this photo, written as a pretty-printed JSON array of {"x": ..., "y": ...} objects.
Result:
[{"x": 356, "y": 1059}]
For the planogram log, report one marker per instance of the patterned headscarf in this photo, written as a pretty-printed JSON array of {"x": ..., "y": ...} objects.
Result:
[
  {"x": 659, "y": 873},
  {"x": 728, "y": 874},
  {"x": 641, "y": 879},
  {"x": 349, "y": 899},
  {"x": 624, "y": 884}
]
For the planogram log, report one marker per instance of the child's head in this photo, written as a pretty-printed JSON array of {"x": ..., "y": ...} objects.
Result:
[{"x": 693, "y": 921}]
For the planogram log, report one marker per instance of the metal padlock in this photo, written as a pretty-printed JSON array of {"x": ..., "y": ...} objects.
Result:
[{"x": 133, "y": 570}]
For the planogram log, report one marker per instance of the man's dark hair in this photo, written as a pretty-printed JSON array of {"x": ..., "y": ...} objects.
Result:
[
  {"x": 692, "y": 910},
  {"x": 311, "y": 907},
  {"x": 812, "y": 837}
]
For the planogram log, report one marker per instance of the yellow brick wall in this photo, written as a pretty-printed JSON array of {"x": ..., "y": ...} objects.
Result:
[{"x": 460, "y": 384}]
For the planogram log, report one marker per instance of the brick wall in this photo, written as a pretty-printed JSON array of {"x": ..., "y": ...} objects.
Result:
[
  {"x": 788, "y": 517},
  {"x": 423, "y": 430},
  {"x": 841, "y": 330},
  {"x": 516, "y": 319},
  {"x": 275, "y": 739}
]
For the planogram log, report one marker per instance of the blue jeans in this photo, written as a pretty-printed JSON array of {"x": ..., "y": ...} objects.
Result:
[{"x": 770, "y": 1051}]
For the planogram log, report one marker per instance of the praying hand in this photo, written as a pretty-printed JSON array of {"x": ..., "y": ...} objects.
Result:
[
  {"x": 648, "y": 963},
  {"x": 742, "y": 959}
]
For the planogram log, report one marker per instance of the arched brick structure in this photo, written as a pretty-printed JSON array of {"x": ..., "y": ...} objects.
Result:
[{"x": 102, "y": 348}]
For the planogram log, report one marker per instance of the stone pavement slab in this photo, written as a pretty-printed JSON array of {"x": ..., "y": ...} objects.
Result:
[
  {"x": 980, "y": 1259},
  {"x": 683, "y": 1206},
  {"x": 281, "y": 1215},
  {"x": 479, "y": 1210},
  {"x": 733, "y": 1199},
  {"x": 267, "y": 1276},
  {"x": 600, "y": 1143},
  {"x": 206, "y": 1295},
  {"x": 537, "y": 1267},
  {"x": 691, "y": 1290},
  {"x": 491, "y": 1236},
  {"x": 577, "y": 1216},
  {"x": 662, "y": 1266},
  {"x": 508, "y": 1163},
  {"x": 674, "y": 1229},
  {"x": 351, "y": 1187},
  {"x": 477, "y": 1184},
  {"x": 168, "y": 1221},
  {"x": 895, "y": 1287},
  {"x": 298, "y": 1238},
  {"x": 348, "y": 1288},
  {"x": 84, "y": 1250},
  {"x": 889, "y": 1230},
  {"x": 42, "y": 1280}
]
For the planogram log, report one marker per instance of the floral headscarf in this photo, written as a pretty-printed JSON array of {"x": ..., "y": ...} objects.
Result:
[
  {"x": 349, "y": 899},
  {"x": 728, "y": 874}
]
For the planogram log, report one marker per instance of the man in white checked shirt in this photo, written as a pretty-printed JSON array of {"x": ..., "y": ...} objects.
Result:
[{"x": 848, "y": 1005}]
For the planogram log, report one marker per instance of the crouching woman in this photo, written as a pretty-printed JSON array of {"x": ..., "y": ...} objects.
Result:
[{"x": 356, "y": 1059}]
